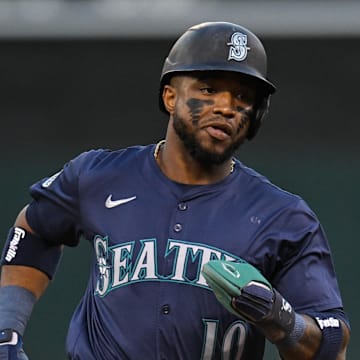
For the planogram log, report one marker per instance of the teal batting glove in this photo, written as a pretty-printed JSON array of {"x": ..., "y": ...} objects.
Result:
[
  {"x": 227, "y": 279},
  {"x": 245, "y": 292}
]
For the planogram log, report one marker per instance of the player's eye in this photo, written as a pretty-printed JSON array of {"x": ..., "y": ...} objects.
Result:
[
  {"x": 244, "y": 98},
  {"x": 207, "y": 90}
]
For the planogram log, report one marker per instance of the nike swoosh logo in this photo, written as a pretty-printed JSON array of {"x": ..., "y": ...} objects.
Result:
[{"x": 109, "y": 203}]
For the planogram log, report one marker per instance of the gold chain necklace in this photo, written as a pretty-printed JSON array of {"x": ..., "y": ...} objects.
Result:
[
  {"x": 157, "y": 149},
  {"x": 162, "y": 142}
]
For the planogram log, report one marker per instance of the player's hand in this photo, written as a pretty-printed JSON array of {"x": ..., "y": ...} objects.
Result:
[
  {"x": 11, "y": 346},
  {"x": 244, "y": 291}
]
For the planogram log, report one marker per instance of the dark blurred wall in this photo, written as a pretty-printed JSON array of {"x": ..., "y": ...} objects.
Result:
[{"x": 62, "y": 97}]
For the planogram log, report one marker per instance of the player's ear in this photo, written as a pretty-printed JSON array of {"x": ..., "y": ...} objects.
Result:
[{"x": 169, "y": 98}]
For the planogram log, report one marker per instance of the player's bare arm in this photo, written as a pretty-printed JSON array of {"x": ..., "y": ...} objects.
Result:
[
  {"x": 27, "y": 277},
  {"x": 25, "y": 274}
]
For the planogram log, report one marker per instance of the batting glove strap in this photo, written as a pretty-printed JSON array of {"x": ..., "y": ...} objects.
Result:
[
  {"x": 258, "y": 303},
  {"x": 11, "y": 345},
  {"x": 8, "y": 337},
  {"x": 282, "y": 313},
  {"x": 254, "y": 303}
]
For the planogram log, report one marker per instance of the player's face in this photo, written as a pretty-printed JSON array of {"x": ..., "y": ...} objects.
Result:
[{"x": 211, "y": 113}]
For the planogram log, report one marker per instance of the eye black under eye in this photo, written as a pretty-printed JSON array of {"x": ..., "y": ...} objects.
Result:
[{"x": 247, "y": 111}]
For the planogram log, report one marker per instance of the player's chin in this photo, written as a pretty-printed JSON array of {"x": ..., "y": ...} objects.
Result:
[
  {"x": 215, "y": 149},
  {"x": 224, "y": 146},
  {"x": 214, "y": 153}
]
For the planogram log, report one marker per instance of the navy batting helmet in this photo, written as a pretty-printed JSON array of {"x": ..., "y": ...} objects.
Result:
[{"x": 221, "y": 46}]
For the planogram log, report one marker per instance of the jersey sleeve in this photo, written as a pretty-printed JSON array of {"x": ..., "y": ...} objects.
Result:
[
  {"x": 307, "y": 277},
  {"x": 54, "y": 212}
]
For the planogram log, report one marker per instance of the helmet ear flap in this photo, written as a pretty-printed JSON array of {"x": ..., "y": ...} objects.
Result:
[{"x": 262, "y": 109}]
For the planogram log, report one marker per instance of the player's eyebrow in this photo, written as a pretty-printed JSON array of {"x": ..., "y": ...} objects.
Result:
[{"x": 206, "y": 77}]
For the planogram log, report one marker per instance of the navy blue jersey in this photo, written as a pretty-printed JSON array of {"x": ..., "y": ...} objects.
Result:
[{"x": 146, "y": 297}]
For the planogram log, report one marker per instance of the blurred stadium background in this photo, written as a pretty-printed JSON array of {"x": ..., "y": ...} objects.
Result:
[{"x": 76, "y": 75}]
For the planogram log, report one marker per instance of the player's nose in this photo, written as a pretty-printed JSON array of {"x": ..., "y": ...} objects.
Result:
[{"x": 225, "y": 104}]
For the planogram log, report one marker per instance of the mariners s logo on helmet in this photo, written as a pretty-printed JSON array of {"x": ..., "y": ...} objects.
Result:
[{"x": 238, "y": 47}]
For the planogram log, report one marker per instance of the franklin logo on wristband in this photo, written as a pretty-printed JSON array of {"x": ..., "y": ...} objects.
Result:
[
  {"x": 13, "y": 246},
  {"x": 328, "y": 323}
]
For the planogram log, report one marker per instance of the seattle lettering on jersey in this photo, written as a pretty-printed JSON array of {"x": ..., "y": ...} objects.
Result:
[{"x": 119, "y": 266}]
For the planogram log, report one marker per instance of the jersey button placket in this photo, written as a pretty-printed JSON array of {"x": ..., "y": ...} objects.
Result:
[
  {"x": 179, "y": 217},
  {"x": 181, "y": 206}
]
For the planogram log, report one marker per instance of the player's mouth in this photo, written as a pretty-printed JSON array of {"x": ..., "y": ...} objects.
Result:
[{"x": 219, "y": 131}]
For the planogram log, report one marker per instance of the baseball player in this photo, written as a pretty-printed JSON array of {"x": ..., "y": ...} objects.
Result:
[{"x": 196, "y": 256}]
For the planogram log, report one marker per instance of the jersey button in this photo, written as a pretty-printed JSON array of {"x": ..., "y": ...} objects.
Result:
[
  {"x": 177, "y": 227},
  {"x": 182, "y": 206},
  {"x": 165, "y": 309}
]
